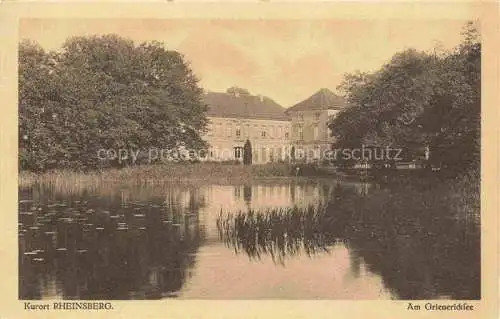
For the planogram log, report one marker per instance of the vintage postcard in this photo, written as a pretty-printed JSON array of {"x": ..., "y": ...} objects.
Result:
[{"x": 208, "y": 160}]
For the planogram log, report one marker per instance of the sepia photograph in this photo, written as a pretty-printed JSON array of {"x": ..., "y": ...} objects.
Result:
[{"x": 249, "y": 159}]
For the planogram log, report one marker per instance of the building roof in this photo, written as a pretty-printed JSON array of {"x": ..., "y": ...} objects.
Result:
[
  {"x": 324, "y": 99},
  {"x": 243, "y": 106}
]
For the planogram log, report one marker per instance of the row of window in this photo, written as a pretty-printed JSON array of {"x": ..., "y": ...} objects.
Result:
[
  {"x": 276, "y": 193},
  {"x": 316, "y": 116},
  {"x": 266, "y": 154},
  {"x": 259, "y": 154},
  {"x": 299, "y": 132},
  {"x": 254, "y": 131}
]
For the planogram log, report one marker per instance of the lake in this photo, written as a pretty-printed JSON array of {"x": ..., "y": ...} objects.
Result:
[{"x": 286, "y": 239}]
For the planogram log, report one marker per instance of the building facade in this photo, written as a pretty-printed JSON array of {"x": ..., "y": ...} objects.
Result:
[
  {"x": 274, "y": 132},
  {"x": 311, "y": 137},
  {"x": 270, "y": 139},
  {"x": 236, "y": 118}
]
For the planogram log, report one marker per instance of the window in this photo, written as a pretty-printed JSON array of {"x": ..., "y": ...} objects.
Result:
[
  {"x": 237, "y": 192},
  {"x": 210, "y": 130},
  {"x": 317, "y": 152},
  {"x": 316, "y": 116},
  {"x": 263, "y": 134},
  {"x": 300, "y": 116},
  {"x": 218, "y": 129},
  {"x": 280, "y": 132},
  {"x": 300, "y": 132},
  {"x": 238, "y": 132},
  {"x": 299, "y": 153},
  {"x": 237, "y": 152},
  {"x": 263, "y": 154},
  {"x": 332, "y": 113},
  {"x": 228, "y": 130},
  {"x": 287, "y": 135},
  {"x": 247, "y": 130},
  {"x": 316, "y": 132}
]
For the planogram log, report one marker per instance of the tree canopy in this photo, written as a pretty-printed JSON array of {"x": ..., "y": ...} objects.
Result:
[
  {"x": 418, "y": 99},
  {"x": 247, "y": 153},
  {"x": 104, "y": 92}
]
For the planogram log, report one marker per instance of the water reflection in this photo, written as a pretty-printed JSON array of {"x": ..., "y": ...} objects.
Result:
[
  {"x": 325, "y": 240},
  {"x": 420, "y": 253},
  {"x": 280, "y": 232},
  {"x": 85, "y": 247},
  {"x": 413, "y": 241}
]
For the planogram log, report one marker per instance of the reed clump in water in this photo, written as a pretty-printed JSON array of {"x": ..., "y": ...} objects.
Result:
[{"x": 279, "y": 232}]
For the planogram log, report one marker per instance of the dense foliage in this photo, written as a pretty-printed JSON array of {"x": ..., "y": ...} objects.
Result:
[
  {"x": 104, "y": 92},
  {"x": 247, "y": 153},
  {"x": 418, "y": 99}
]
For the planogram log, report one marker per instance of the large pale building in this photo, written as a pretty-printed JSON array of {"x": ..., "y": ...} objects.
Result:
[
  {"x": 236, "y": 117},
  {"x": 272, "y": 130},
  {"x": 311, "y": 136}
]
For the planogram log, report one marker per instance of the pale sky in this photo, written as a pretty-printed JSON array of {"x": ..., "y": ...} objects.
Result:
[{"x": 286, "y": 60}]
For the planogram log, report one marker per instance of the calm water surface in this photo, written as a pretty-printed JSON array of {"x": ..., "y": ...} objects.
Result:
[{"x": 368, "y": 242}]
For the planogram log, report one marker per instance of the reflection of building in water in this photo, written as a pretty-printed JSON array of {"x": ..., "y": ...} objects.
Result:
[
  {"x": 231, "y": 199},
  {"x": 268, "y": 196},
  {"x": 362, "y": 188},
  {"x": 185, "y": 205}
]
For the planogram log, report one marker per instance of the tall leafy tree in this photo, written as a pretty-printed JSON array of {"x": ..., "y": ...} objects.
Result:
[
  {"x": 418, "y": 99},
  {"x": 37, "y": 106},
  {"x": 104, "y": 92},
  {"x": 247, "y": 153}
]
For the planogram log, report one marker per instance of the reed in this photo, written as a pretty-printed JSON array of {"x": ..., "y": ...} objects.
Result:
[
  {"x": 159, "y": 174},
  {"x": 413, "y": 210},
  {"x": 279, "y": 232}
]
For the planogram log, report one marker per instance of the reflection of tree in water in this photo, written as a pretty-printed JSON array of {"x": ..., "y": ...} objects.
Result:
[
  {"x": 412, "y": 239},
  {"x": 103, "y": 248},
  {"x": 247, "y": 194}
]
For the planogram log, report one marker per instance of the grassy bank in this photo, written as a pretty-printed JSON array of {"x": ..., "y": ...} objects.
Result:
[{"x": 171, "y": 173}]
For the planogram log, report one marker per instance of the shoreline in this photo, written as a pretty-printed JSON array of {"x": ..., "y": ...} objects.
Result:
[
  {"x": 182, "y": 174},
  {"x": 227, "y": 174},
  {"x": 461, "y": 193}
]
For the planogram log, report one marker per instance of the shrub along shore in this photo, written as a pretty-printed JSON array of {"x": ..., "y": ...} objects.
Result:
[{"x": 176, "y": 173}]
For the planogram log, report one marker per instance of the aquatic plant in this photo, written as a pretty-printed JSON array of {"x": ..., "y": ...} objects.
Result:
[
  {"x": 167, "y": 173},
  {"x": 279, "y": 232}
]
